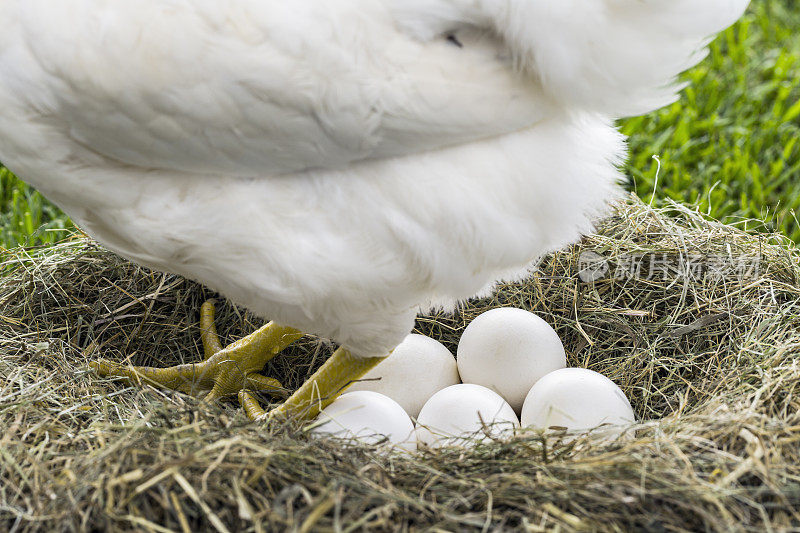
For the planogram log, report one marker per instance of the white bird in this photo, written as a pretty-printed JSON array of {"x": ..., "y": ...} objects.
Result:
[{"x": 334, "y": 165}]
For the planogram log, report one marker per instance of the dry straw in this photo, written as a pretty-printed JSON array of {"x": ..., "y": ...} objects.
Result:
[{"x": 706, "y": 350}]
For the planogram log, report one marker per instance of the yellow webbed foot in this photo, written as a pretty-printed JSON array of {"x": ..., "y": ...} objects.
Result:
[
  {"x": 224, "y": 371},
  {"x": 234, "y": 369}
]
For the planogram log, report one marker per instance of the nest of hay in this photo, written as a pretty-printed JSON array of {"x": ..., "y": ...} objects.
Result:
[{"x": 699, "y": 323}]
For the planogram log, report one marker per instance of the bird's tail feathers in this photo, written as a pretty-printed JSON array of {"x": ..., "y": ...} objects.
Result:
[{"x": 620, "y": 57}]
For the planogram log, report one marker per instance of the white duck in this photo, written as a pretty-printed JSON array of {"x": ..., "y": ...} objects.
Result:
[{"x": 334, "y": 165}]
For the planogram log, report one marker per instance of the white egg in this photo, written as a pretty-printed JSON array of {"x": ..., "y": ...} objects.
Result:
[
  {"x": 417, "y": 369},
  {"x": 368, "y": 417},
  {"x": 462, "y": 411},
  {"x": 577, "y": 399},
  {"x": 508, "y": 350}
]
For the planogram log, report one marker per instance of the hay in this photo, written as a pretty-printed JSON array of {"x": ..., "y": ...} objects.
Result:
[{"x": 707, "y": 355}]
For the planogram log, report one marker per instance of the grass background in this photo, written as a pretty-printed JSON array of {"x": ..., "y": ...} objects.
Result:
[{"x": 730, "y": 146}]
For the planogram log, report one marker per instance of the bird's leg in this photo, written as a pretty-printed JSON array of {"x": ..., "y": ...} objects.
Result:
[
  {"x": 234, "y": 369},
  {"x": 223, "y": 371},
  {"x": 338, "y": 372}
]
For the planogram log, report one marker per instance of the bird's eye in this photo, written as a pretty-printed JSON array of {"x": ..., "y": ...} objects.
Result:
[{"x": 453, "y": 39}]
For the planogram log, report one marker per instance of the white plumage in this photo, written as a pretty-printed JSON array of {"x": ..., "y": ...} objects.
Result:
[{"x": 336, "y": 165}]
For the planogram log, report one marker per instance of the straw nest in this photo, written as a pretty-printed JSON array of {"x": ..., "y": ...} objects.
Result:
[{"x": 699, "y": 323}]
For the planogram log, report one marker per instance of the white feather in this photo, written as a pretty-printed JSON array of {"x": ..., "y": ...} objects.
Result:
[
  {"x": 257, "y": 87},
  {"x": 619, "y": 57},
  {"x": 334, "y": 165}
]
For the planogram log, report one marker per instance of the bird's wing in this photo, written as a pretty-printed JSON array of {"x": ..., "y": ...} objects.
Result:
[{"x": 257, "y": 87}]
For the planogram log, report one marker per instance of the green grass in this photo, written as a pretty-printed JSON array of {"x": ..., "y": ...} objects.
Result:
[
  {"x": 730, "y": 146},
  {"x": 26, "y": 217}
]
